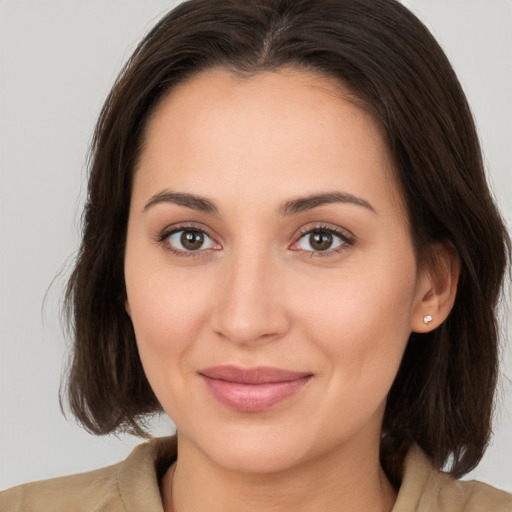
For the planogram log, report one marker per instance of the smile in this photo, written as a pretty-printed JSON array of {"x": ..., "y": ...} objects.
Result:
[{"x": 252, "y": 389}]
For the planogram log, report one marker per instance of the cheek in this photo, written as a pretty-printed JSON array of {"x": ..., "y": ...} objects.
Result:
[
  {"x": 168, "y": 312},
  {"x": 361, "y": 319},
  {"x": 162, "y": 315}
]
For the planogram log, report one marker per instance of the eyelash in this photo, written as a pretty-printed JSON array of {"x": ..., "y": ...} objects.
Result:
[
  {"x": 346, "y": 239},
  {"x": 164, "y": 236}
]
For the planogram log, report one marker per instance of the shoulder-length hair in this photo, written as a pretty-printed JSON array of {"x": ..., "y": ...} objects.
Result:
[{"x": 442, "y": 397}]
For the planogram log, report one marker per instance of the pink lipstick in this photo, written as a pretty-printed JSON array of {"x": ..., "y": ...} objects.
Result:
[{"x": 252, "y": 389}]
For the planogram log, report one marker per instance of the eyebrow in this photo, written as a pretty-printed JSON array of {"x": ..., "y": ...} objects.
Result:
[
  {"x": 183, "y": 199},
  {"x": 291, "y": 207},
  {"x": 305, "y": 203}
]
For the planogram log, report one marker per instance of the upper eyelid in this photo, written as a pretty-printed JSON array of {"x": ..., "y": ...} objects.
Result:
[
  {"x": 343, "y": 233},
  {"x": 163, "y": 236},
  {"x": 190, "y": 226},
  {"x": 337, "y": 230}
]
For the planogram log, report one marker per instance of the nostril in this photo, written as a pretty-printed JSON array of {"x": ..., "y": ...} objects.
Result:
[{"x": 248, "y": 308}]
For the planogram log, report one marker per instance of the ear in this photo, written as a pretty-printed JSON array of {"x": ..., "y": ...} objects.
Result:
[
  {"x": 437, "y": 288},
  {"x": 127, "y": 308}
]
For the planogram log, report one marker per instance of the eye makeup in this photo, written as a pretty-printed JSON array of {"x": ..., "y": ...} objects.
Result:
[{"x": 190, "y": 239}]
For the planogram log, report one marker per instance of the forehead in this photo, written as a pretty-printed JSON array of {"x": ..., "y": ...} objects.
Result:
[{"x": 281, "y": 132}]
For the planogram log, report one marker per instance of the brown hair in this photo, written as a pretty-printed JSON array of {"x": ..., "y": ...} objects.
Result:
[{"x": 442, "y": 397}]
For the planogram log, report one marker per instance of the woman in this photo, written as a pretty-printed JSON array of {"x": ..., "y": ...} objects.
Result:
[{"x": 289, "y": 247}]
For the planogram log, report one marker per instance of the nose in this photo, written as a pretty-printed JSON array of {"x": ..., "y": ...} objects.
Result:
[{"x": 251, "y": 304}]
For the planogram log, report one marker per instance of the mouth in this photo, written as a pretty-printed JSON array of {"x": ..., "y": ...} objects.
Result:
[{"x": 253, "y": 389}]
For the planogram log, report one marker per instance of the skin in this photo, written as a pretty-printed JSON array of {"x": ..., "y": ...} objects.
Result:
[{"x": 256, "y": 294}]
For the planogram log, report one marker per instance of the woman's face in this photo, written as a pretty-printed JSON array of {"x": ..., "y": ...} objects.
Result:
[{"x": 270, "y": 274}]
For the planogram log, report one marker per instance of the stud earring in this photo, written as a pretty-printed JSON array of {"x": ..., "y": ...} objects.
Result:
[{"x": 427, "y": 319}]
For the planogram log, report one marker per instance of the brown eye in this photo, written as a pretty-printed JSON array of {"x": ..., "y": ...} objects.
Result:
[
  {"x": 192, "y": 240},
  {"x": 320, "y": 241},
  {"x": 189, "y": 240}
]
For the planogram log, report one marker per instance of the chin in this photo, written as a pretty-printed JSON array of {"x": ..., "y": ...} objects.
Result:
[
  {"x": 248, "y": 448},
  {"x": 256, "y": 457}
]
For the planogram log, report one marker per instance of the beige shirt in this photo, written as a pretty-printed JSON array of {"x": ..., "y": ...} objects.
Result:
[{"x": 133, "y": 486}]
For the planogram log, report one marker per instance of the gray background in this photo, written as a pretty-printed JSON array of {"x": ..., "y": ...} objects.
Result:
[{"x": 58, "y": 59}]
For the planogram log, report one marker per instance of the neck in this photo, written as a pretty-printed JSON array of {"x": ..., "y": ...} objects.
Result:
[{"x": 350, "y": 480}]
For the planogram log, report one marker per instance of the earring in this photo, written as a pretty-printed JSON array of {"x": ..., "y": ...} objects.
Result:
[{"x": 427, "y": 319}]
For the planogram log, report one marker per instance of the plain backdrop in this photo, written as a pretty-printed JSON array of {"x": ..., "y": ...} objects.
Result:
[{"x": 58, "y": 59}]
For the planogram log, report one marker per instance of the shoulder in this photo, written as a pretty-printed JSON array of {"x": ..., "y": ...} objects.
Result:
[
  {"x": 472, "y": 496},
  {"x": 118, "y": 488},
  {"x": 427, "y": 489},
  {"x": 95, "y": 490}
]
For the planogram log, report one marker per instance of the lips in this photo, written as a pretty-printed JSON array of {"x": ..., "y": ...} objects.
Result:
[{"x": 252, "y": 389}]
